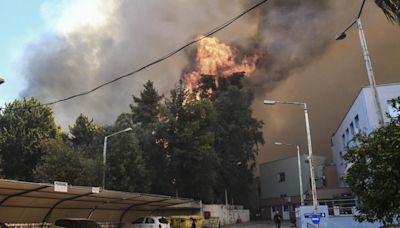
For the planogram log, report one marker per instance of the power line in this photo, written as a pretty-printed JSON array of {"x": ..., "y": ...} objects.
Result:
[{"x": 172, "y": 53}]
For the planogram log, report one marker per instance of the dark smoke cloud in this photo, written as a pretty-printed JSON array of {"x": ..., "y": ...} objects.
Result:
[
  {"x": 292, "y": 34},
  {"x": 137, "y": 33},
  {"x": 328, "y": 78},
  {"x": 302, "y": 62}
]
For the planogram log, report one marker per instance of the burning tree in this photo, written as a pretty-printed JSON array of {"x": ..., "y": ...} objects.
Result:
[
  {"x": 217, "y": 77},
  {"x": 215, "y": 58},
  {"x": 205, "y": 133}
]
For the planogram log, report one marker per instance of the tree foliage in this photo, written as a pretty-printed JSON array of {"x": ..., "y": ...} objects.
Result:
[
  {"x": 84, "y": 131},
  {"x": 194, "y": 143},
  {"x": 391, "y": 9},
  {"x": 146, "y": 107},
  {"x": 374, "y": 174},
  {"x": 188, "y": 140},
  {"x": 126, "y": 169},
  {"x": 237, "y": 134},
  {"x": 145, "y": 112},
  {"x": 24, "y": 125},
  {"x": 62, "y": 162}
]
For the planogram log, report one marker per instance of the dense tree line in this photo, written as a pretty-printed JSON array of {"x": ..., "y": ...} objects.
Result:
[{"x": 192, "y": 143}]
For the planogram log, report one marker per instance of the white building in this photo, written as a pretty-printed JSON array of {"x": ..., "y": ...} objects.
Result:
[
  {"x": 280, "y": 185},
  {"x": 361, "y": 116}
]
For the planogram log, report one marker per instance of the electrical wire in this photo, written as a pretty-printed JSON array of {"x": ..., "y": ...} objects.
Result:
[{"x": 170, "y": 54}]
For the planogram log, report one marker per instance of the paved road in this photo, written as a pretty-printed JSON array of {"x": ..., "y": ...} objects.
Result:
[{"x": 259, "y": 224}]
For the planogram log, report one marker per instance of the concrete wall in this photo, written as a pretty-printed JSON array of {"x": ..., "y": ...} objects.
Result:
[
  {"x": 270, "y": 185},
  {"x": 229, "y": 214},
  {"x": 331, "y": 177},
  {"x": 363, "y": 107}
]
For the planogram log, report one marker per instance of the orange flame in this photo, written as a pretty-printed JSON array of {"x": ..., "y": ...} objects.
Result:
[{"x": 216, "y": 58}]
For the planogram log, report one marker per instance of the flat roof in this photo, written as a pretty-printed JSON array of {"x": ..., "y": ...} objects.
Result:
[
  {"x": 289, "y": 157},
  {"x": 358, "y": 94},
  {"x": 27, "y": 202}
]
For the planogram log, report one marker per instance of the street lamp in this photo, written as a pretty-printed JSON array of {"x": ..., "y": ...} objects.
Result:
[
  {"x": 310, "y": 156},
  {"x": 105, "y": 153},
  {"x": 1, "y": 81},
  {"x": 367, "y": 60},
  {"x": 299, "y": 166}
]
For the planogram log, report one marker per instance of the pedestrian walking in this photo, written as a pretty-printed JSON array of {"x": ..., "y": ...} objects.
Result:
[
  {"x": 278, "y": 219},
  {"x": 193, "y": 223}
]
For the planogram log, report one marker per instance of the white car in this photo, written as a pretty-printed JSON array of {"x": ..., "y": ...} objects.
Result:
[{"x": 148, "y": 222}]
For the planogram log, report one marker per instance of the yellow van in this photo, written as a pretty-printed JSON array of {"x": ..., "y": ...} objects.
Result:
[{"x": 185, "y": 221}]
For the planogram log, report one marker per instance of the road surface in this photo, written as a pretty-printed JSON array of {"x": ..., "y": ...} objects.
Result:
[{"x": 259, "y": 224}]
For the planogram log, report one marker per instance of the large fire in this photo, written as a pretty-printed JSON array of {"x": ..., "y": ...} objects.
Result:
[{"x": 216, "y": 58}]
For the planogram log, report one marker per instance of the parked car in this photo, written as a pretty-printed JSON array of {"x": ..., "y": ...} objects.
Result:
[
  {"x": 148, "y": 222},
  {"x": 76, "y": 223}
]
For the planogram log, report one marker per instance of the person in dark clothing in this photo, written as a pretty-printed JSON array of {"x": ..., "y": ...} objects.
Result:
[
  {"x": 277, "y": 219},
  {"x": 193, "y": 223}
]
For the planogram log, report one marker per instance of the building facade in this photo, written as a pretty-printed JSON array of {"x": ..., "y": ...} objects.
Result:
[
  {"x": 361, "y": 117},
  {"x": 280, "y": 185}
]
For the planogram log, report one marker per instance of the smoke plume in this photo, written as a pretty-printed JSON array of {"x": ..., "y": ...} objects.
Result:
[{"x": 301, "y": 62}]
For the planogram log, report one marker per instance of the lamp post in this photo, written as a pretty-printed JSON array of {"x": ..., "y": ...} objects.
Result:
[
  {"x": 1, "y": 81},
  {"x": 299, "y": 167},
  {"x": 105, "y": 152},
  {"x": 367, "y": 61},
  {"x": 310, "y": 156}
]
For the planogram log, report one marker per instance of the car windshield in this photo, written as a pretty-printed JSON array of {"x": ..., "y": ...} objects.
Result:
[
  {"x": 76, "y": 223},
  {"x": 163, "y": 220},
  {"x": 138, "y": 221}
]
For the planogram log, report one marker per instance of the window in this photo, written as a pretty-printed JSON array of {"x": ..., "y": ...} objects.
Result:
[
  {"x": 207, "y": 215},
  {"x": 165, "y": 221},
  {"x": 138, "y": 221},
  {"x": 347, "y": 135},
  {"x": 393, "y": 111},
  {"x": 344, "y": 140},
  {"x": 285, "y": 208},
  {"x": 352, "y": 128},
  {"x": 357, "y": 122},
  {"x": 281, "y": 177},
  {"x": 149, "y": 220},
  {"x": 76, "y": 223}
]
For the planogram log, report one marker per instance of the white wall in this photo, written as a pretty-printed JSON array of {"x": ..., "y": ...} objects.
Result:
[
  {"x": 227, "y": 214},
  {"x": 363, "y": 107},
  {"x": 272, "y": 187}
]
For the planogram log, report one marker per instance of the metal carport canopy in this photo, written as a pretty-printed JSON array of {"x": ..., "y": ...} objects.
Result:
[{"x": 27, "y": 202}]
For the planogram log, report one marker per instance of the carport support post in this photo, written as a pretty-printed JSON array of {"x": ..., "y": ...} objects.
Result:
[
  {"x": 201, "y": 207},
  {"x": 226, "y": 197},
  {"x": 104, "y": 162}
]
